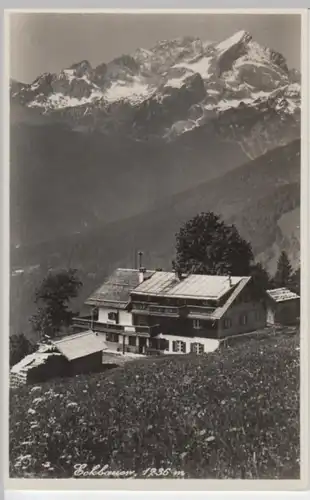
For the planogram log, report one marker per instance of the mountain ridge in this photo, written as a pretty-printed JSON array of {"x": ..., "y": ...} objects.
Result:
[{"x": 170, "y": 89}]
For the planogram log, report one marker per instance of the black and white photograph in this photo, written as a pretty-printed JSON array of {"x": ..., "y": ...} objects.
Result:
[{"x": 155, "y": 167}]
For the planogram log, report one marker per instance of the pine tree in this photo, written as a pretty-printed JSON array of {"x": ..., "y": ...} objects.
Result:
[
  {"x": 284, "y": 271},
  {"x": 295, "y": 281}
]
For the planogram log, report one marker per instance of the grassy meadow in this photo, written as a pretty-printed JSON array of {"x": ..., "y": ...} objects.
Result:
[{"x": 230, "y": 414}]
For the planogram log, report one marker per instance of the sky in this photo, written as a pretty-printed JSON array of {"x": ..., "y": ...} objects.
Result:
[{"x": 49, "y": 42}]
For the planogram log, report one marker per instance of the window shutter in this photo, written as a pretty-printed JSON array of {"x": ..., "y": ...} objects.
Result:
[
  {"x": 164, "y": 344},
  {"x": 174, "y": 346}
]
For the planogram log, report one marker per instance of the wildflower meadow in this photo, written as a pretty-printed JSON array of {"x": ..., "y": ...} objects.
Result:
[{"x": 230, "y": 414}]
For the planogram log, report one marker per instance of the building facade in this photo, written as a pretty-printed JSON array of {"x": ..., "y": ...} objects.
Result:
[{"x": 142, "y": 311}]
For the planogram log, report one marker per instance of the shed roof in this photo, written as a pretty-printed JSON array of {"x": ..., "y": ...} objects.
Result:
[
  {"x": 193, "y": 286},
  {"x": 282, "y": 294},
  {"x": 115, "y": 291},
  {"x": 80, "y": 345},
  {"x": 32, "y": 360}
]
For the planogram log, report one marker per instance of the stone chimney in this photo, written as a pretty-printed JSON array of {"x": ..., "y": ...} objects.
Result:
[{"x": 142, "y": 272}]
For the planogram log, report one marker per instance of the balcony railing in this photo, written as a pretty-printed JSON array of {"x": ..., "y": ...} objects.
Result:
[
  {"x": 140, "y": 330},
  {"x": 156, "y": 310},
  {"x": 200, "y": 311}
]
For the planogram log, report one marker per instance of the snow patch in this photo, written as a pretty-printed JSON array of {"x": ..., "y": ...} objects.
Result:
[
  {"x": 69, "y": 74},
  {"x": 201, "y": 66},
  {"x": 232, "y": 103},
  {"x": 133, "y": 92},
  {"x": 34, "y": 86},
  {"x": 231, "y": 41},
  {"x": 60, "y": 101},
  {"x": 213, "y": 91},
  {"x": 245, "y": 61},
  {"x": 177, "y": 82}
]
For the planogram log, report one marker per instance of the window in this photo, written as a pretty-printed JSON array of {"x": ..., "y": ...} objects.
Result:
[
  {"x": 132, "y": 341},
  {"x": 196, "y": 324},
  {"x": 112, "y": 337},
  {"x": 258, "y": 315},
  {"x": 178, "y": 346},
  {"x": 243, "y": 319},
  {"x": 227, "y": 323},
  {"x": 197, "y": 348},
  {"x": 113, "y": 316}
]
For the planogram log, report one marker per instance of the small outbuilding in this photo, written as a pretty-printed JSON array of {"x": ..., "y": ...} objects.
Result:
[
  {"x": 70, "y": 355},
  {"x": 283, "y": 307},
  {"x": 40, "y": 366},
  {"x": 83, "y": 351}
]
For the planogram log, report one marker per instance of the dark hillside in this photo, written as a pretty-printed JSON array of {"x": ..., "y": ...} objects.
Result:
[{"x": 254, "y": 196}]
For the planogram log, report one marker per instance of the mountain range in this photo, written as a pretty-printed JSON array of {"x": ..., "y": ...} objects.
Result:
[{"x": 108, "y": 160}]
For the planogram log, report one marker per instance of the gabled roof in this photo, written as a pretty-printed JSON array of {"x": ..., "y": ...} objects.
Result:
[
  {"x": 220, "y": 311},
  {"x": 282, "y": 294},
  {"x": 199, "y": 286},
  {"x": 80, "y": 345},
  {"x": 115, "y": 290}
]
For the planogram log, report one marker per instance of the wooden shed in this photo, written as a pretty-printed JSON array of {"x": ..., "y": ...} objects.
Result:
[
  {"x": 40, "y": 366},
  {"x": 83, "y": 351},
  {"x": 283, "y": 307}
]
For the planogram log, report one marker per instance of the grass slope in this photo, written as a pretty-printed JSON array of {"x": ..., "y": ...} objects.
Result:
[{"x": 230, "y": 414}]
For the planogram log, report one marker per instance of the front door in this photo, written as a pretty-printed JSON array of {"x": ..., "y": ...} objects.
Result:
[{"x": 142, "y": 345}]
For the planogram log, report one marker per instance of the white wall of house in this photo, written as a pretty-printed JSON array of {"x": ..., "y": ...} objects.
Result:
[
  {"x": 114, "y": 346},
  {"x": 209, "y": 345},
  {"x": 125, "y": 317}
]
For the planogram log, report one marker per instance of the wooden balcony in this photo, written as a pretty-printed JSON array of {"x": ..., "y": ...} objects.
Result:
[
  {"x": 200, "y": 312},
  {"x": 81, "y": 323},
  {"x": 157, "y": 310}
]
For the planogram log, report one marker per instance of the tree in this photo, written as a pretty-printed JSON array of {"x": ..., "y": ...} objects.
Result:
[
  {"x": 284, "y": 271},
  {"x": 206, "y": 245},
  {"x": 294, "y": 284},
  {"x": 53, "y": 297},
  {"x": 260, "y": 280},
  {"x": 20, "y": 347}
]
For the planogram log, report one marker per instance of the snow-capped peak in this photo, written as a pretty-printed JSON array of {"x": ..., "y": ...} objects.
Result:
[
  {"x": 241, "y": 37},
  {"x": 187, "y": 76}
]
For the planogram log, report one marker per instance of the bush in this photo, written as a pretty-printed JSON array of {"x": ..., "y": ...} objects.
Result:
[{"x": 20, "y": 347}]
